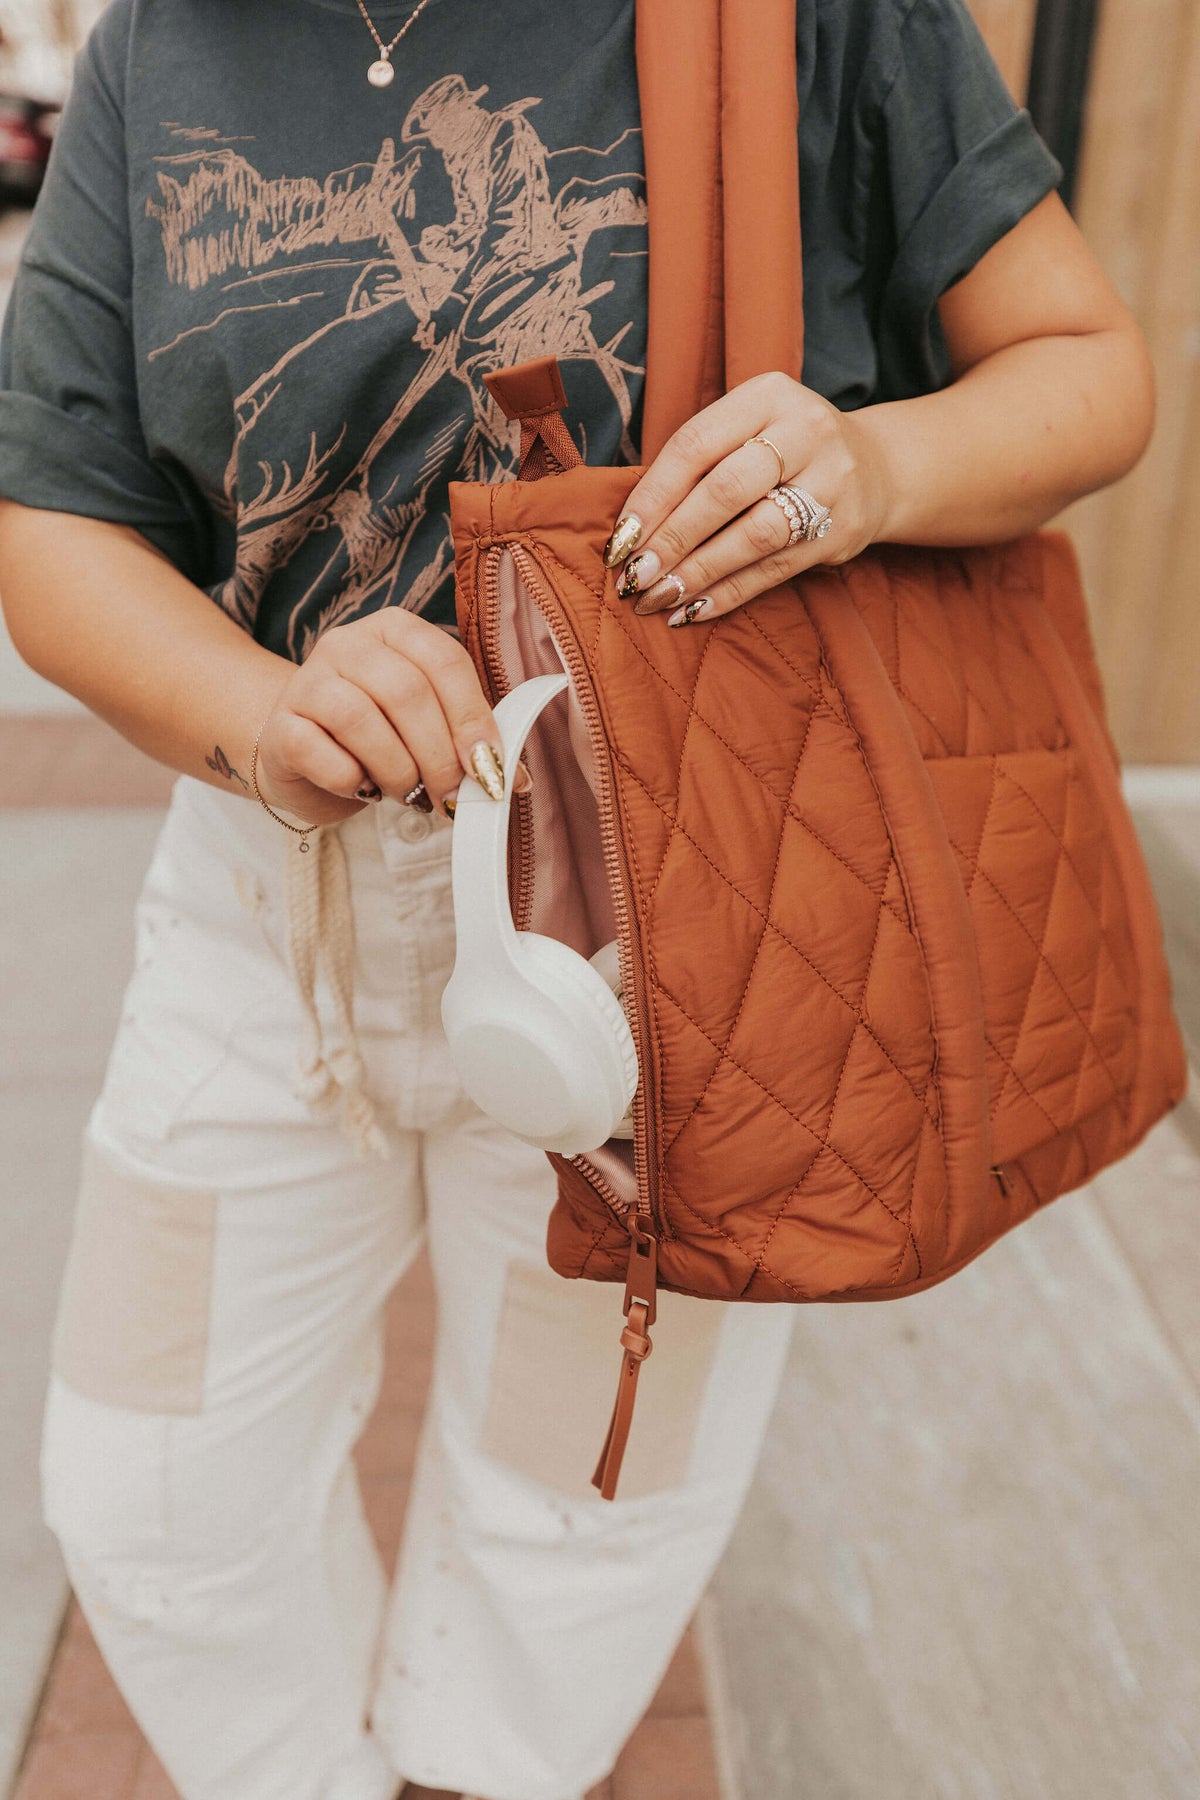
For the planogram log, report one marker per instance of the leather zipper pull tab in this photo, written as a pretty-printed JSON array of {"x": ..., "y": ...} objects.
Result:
[{"x": 641, "y": 1287}]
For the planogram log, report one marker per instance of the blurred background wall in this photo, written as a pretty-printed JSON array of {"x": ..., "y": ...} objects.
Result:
[
  {"x": 38, "y": 39},
  {"x": 1114, "y": 86}
]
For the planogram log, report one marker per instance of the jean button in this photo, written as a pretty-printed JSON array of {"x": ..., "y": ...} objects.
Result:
[{"x": 414, "y": 827}]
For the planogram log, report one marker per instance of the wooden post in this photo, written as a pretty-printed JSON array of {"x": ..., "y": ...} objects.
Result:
[{"x": 1138, "y": 204}]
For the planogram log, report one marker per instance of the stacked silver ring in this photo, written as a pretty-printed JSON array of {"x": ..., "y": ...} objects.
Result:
[{"x": 807, "y": 518}]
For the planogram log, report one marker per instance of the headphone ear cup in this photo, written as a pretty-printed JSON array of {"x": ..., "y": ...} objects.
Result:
[
  {"x": 542, "y": 1045},
  {"x": 598, "y": 1025},
  {"x": 539, "y": 1039}
]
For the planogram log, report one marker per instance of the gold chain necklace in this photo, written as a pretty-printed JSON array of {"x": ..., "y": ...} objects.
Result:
[{"x": 381, "y": 74}]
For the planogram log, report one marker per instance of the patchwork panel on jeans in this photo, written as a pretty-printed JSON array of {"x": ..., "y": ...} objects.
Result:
[
  {"x": 554, "y": 1375},
  {"x": 133, "y": 1314}
]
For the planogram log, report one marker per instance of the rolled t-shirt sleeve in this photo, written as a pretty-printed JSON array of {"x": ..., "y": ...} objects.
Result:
[
  {"x": 70, "y": 435},
  {"x": 957, "y": 165}
]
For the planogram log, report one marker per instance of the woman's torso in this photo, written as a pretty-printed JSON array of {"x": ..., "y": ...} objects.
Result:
[{"x": 321, "y": 272}]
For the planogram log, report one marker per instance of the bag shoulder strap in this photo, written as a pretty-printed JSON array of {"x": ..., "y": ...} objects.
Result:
[{"x": 717, "y": 84}]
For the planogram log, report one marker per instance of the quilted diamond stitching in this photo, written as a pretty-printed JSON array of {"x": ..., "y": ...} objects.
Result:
[
  {"x": 600, "y": 1232},
  {"x": 694, "y": 710},
  {"x": 689, "y": 702},
  {"x": 918, "y": 1093},
  {"x": 683, "y": 742},
  {"x": 1039, "y": 961},
  {"x": 822, "y": 710},
  {"x": 897, "y": 1218},
  {"x": 1042, "y": 961},
  {"x": 794, "y": 1191},
  {"x": 1084, "y": 889},
  {"x": 735, "y": 1243},
  {"x": 1033, "y": 1100},
  {"x": 937, "y": 637},
  {"x": 1090, "y": 1027},
  {"x": 777, "y": 649},
  {"x": 1120, "y": 1090},
  {"x": 793, "y": 1287},
  {"x": 999, "y": 726},
  {"x": 905, "y": 694},
  {"x": 676, "y": 828},
  {"x": 921, "y": 1095},
  {"x": 983, "y": 829}
]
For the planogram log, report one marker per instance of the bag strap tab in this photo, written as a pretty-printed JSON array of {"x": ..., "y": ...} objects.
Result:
[{"x": 533, "y": 392}]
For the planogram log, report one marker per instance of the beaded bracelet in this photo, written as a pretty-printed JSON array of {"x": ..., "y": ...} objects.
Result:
[{"x": 303, "y": 832}]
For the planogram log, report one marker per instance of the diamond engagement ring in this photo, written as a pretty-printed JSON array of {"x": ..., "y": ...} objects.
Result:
[
  {"x": 782, "y": 498},
  {"x": 820, "y": 519},
  {"x": 807, "y": 518}
]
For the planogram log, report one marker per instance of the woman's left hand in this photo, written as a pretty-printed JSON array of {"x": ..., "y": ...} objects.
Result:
[{"x": 698, "y": 527}]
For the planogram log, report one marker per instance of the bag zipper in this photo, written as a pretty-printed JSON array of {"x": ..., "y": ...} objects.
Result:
[
  {"x": 640, "y": 1219},
  {"x": 616, "y": 862},
  {"x": 520, "y": 881}
]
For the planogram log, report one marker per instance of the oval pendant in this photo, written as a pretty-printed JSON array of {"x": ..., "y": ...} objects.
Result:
[{"x": 381, "y": 74}]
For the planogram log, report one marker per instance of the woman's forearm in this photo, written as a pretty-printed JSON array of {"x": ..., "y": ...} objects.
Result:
[
  {"x": 95, "y": 609},
  {"x": 1013, "y": 441}
]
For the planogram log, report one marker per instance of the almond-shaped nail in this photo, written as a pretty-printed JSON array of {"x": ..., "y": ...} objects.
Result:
[
  {"x": 488, "y": 770},
  {"x": 691, "y": 611},
  {"x": 627, "y": 534},
  {"x": 638, "y": 573},
  {"x": 667, "y": 592}
]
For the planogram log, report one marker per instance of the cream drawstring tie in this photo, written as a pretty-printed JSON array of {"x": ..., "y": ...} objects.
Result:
[{"x": 321, "y": 930}]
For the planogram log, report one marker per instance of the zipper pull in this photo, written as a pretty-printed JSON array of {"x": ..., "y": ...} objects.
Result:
[{"x": 641, "y": 1286}]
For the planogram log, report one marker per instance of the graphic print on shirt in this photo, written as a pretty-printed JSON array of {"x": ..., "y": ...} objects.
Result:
[{"x": 358, "y": 516}]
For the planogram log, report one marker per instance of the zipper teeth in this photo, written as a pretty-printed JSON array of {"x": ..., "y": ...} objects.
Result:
[
  {"x": 615, "y": 861},
  {"x": 521, "y": 886},
  {"x": 608, "y": 1194},
  {"x": 521, "y": 880}
]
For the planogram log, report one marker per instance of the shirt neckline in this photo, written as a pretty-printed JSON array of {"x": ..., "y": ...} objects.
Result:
[{"x": 382, "y": 9}]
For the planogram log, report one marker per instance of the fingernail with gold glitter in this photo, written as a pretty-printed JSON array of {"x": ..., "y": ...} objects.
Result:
[
  {"x": 450, "y": 804},
  {"x": 639, "y": 573},
  {"x": 667, "y": 592},
  {"x": 692, "y": 610},
  {"x": 488, "y": 770},
  {"x": 627, "y": 535}
]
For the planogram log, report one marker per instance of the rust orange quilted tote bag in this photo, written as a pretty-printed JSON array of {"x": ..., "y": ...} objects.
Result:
[{"x": 892, "y": 962}]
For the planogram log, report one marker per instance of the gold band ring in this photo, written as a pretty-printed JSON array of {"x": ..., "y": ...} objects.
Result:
[{"x": 760, "y": 439}]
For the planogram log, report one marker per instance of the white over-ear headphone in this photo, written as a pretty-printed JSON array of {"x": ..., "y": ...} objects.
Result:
[{"x": 540, "y": 1041}]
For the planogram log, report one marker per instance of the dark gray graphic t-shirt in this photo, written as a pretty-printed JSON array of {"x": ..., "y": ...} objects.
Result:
[{"x": 260, "y": 295}]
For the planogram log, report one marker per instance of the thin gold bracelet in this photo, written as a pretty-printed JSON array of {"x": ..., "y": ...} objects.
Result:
[{"x": 303, "y": 832}]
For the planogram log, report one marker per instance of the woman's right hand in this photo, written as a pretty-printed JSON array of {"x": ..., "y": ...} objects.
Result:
[{"x": 388, "y": 701}]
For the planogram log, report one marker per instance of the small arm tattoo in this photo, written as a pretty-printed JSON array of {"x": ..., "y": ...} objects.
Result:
[{"x": 221, "y": 765}]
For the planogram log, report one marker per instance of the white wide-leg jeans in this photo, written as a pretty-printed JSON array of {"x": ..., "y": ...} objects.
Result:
[{"x": 219, "y": 1346}]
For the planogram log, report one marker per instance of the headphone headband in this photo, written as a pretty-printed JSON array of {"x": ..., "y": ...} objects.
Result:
[{"x": 480, "y": 859}]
